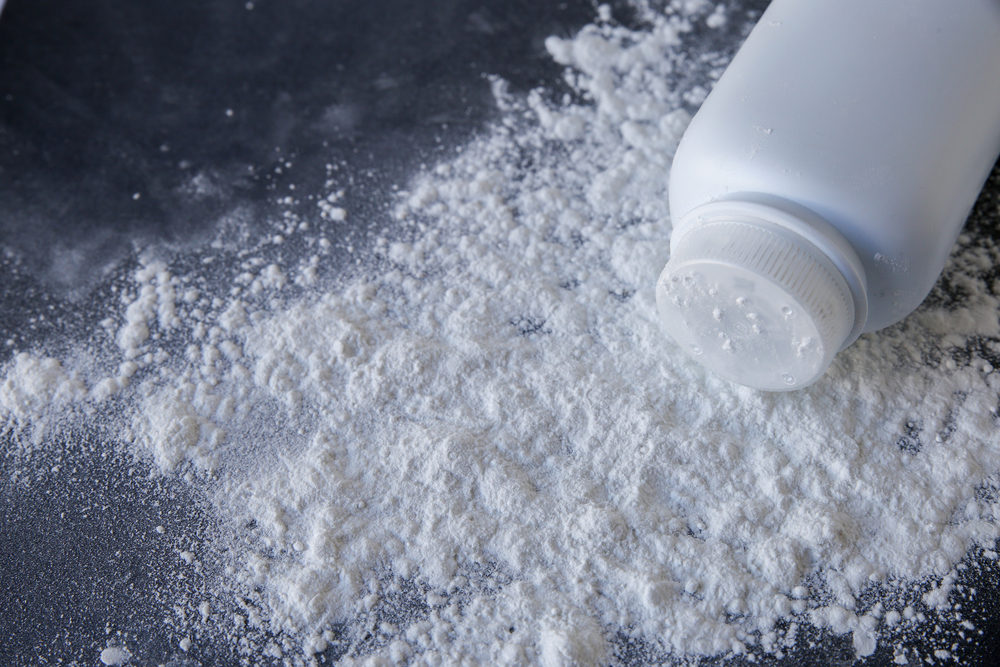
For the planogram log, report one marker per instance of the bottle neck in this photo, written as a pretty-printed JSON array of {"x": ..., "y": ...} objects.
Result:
[{"x": 777, "y": 213}]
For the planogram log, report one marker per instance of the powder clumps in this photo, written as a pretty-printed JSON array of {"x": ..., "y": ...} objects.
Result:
[
  {"x": 35, "y": 388},
  {"x": 483, "y": 449},
  {"x": 115, "y": 655}
]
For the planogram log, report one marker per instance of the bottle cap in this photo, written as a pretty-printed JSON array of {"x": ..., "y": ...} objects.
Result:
[{"x": 755, "y": 303}]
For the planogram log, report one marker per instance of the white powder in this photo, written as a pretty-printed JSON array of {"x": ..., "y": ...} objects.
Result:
[
  {"x": 490, "y": 425},
  {"x": 34, "y": 388},
  {"x": 155, "y": 297},
  {"x": 115, "y": 655}
]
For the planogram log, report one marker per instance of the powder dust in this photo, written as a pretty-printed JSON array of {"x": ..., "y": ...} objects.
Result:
[{"x": 480, "y": 447}]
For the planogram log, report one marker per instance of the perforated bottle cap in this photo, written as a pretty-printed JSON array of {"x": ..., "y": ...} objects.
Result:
[{"x": 756, "y": 304}]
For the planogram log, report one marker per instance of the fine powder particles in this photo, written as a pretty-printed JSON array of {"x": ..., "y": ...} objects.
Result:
[{"x": 477, "y": 445}]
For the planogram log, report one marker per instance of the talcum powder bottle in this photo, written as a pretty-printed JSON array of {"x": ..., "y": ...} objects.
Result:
[{"x": 818, "y": 191}]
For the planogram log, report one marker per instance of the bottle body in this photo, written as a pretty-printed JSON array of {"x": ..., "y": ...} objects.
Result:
[
  {"x": 883, "y": 118},
  {"x": 879, "y": 121}
]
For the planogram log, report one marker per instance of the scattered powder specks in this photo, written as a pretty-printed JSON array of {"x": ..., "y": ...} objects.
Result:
[{"x": 482, "y": 448}]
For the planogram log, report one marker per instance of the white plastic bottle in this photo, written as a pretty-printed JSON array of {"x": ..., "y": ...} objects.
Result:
[{"x": 817, "y": 193}]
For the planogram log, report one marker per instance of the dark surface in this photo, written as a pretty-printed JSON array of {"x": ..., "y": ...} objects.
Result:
[{"x": 101, "y": 101}]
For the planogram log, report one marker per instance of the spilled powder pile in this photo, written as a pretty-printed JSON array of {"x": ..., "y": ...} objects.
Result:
[{"x": 489, "y": 425}]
